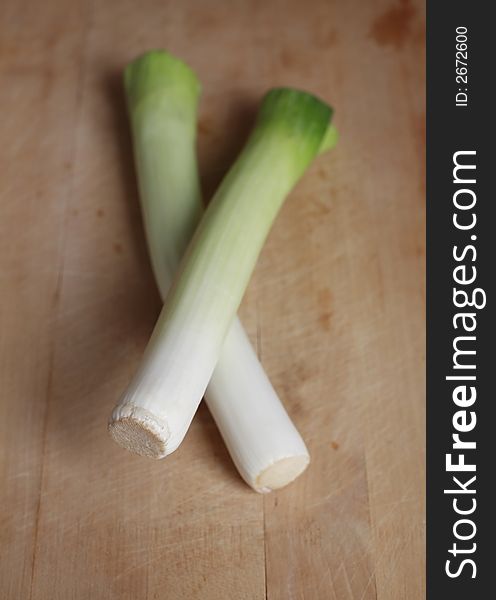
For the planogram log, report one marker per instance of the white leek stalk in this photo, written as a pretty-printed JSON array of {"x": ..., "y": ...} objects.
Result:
[{"x": 158, "y": 406}]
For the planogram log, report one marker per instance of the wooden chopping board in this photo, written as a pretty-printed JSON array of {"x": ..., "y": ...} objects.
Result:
[{"x": 335, "y": 308}]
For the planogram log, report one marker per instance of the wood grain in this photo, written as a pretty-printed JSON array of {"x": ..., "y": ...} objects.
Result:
[{"x": 335, "y": 308}]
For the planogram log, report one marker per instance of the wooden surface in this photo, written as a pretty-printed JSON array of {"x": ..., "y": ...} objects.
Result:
[{"x": 335, "y": 307}]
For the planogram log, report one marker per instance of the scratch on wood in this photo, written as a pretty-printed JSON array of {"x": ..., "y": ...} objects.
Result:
[
  {"x": 43, "y": 448},
  {"x": 370, "y": 580}
]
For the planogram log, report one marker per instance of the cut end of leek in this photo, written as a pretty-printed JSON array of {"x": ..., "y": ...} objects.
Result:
[
  {"x": 300, "y": 115},
  {"x": 158, "y": 71},
  {"x": 281, "y": 472},
  {"x": 140, "y": 432}
]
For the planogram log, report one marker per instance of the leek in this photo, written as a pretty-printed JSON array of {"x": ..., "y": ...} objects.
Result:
[{"x": 157, "y": 408}]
